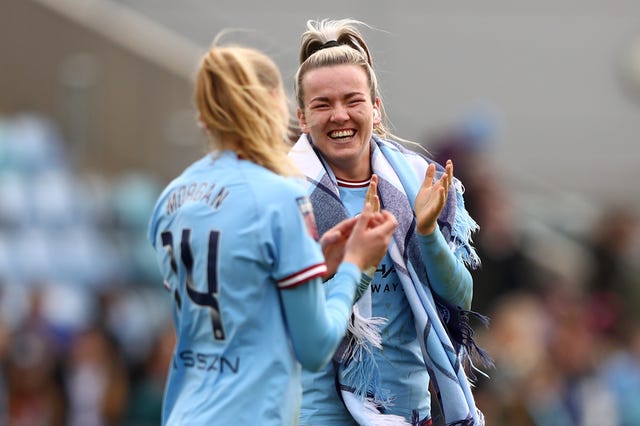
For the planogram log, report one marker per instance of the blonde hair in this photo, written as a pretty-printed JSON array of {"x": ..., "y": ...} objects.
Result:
[
  {"x": 351, "y": 49},
  {"x": 238, "y": 91}
]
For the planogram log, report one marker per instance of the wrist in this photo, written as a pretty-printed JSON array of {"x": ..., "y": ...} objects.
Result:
[
  {"x": 355, "y": 261},
  {"x": 431, "y": 237},
  {"x": 427, "y": 230}
]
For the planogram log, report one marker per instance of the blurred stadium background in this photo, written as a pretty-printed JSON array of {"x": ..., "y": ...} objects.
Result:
[{"x": 538, "y": 104}]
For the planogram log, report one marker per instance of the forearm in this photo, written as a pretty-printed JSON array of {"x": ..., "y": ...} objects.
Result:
[
  {"x": 317, "y": 321},
  {"x": 363, "y": 284},
  {"x": 448, "y": 276}
]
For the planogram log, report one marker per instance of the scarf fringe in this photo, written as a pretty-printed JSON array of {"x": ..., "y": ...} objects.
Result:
[
  {"x": 466, "y": 422},
  {"x": 379, "y": 419},
  {"x": 457, "y": 321},
  {"x": 463, "y": 226},
  {"x": 471, "y": 349},
  {"x": 365, "y": 330},
  {"x": 361, "y": 371},
  {"x": 468, "y": 349},
  {"x": 469, "y": 421}
]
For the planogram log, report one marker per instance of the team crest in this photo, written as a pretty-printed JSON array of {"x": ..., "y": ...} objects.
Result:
[{"x": 304, "y": 204}]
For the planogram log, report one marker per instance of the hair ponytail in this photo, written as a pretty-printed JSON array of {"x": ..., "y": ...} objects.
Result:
[{"x": 237, "y": 93}]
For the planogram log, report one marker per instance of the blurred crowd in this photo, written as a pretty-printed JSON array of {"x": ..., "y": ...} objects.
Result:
[
  {"x": 85, "y": 332},
  {"x": 562, "y": 295}
]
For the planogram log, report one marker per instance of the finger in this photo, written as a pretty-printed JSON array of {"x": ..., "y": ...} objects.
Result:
[
  {"x": 363, "y": 218},
  {"x": 389, "y": 224},
  {"x": 330, "y": 237},
  {"x": 371, "y": 190},
  {"x": 443, "y": 182},
  {"x": 449, "y": 169},
  {"x": 345, "y": 226},
  {"x": 375, "y": 202},
  {"x": 388, "y": 216},
  {"x": 368, "y": 195},
  {"x": 442, "y": 196},
  {"x": 372, "y": 193},
  {"x": 374, "y": 182},
  {"x": 376, "y": 219},
  {"x": 431, "y": 172},
  {"x": 367, "y": 210}
]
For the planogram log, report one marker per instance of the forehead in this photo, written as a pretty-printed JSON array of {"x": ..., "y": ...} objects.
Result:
[{"x": 334, "y": 80}]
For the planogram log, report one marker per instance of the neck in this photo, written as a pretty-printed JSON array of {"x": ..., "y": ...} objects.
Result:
[{"x": 355, "y": 170}]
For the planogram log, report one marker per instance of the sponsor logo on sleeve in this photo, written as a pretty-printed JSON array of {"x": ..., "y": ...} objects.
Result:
[{"x": 304, "y": 204}]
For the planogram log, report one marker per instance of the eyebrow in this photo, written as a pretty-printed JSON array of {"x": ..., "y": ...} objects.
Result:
[{"x": 347, "y": 96}]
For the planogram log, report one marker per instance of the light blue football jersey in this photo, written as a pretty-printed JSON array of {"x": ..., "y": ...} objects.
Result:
[
  {"x": 400, "y": 365},
  {"x": 228, "y": 235}
]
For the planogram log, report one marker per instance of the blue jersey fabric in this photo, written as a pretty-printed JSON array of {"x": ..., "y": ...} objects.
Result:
[
  {"x": 229, "y": 235},
  {"x": 402, "y": 371},
  {"x": 400, "y": 365}
]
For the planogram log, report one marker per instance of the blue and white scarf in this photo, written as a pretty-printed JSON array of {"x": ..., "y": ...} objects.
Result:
[{"x": 446, "y": 336}]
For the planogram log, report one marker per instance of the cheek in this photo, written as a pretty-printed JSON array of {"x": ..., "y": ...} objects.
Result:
[
  {"x": 314, "y": 120},
  {"x": 363, "y": 116}
]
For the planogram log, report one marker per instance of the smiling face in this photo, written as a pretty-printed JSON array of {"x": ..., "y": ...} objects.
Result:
[{"x": 339, "y": 115}]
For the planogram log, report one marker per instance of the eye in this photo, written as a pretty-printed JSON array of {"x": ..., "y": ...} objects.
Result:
[{"x": 319, "y": 106}]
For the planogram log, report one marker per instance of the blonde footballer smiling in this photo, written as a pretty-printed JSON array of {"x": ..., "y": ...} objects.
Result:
[
  {"x": 344, "y": 147},
  {"x": 339, "y": 115}
]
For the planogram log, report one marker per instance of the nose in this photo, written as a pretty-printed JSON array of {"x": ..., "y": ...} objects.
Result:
[{"x": 339, "y": 113}]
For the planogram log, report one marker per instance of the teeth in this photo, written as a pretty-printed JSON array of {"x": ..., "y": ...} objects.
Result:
[{"x": 342, "y": 133}]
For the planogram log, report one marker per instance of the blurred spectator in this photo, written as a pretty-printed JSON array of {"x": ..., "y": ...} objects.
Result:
[
  {"x": 35, "y": 393},
  {"x": 97, "y": 380},
  {"x": 557, "y": 361},
  {"x": 615, "y": 271},
  {"x": 621, "y": 373},
  {"x": 516, "y": 340},
  {"x": 573, "y": 392},
  {"x": 505, "y": 267},
  {"x": 500, "y": 244},
  {"x": 4, "y": 347},
  {"x": 145, "y": 402},
  {"x": 65, "y": 242}
]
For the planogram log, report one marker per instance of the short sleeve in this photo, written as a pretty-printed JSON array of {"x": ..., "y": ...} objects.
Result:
[{"x": 294, "y": 239}]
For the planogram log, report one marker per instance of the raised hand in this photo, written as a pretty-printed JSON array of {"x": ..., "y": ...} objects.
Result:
[
  {"x": 333, "y": 244},
  {"x": 432, "y": 197},
  {"x": 370, "y": 237},
  {"x": 372, "y": 194},
  {"x": 372, "y": 197},
  {"x": 362, "y": 240}
]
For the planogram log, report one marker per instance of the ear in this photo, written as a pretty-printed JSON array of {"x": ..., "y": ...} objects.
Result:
[
  {"x": 302, "y": 121},
  {"x": 201, "y": 122},
  {"x": 377, "y": 115}
]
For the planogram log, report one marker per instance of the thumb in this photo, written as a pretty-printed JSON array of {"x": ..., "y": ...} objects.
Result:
[
  {"x": 390, "y": 222},
  {"x": 330, "y": 237}
]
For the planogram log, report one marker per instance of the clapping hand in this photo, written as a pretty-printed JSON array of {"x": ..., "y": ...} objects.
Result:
[
  {"x": 333, "y": 242},
  {"x": 432, "y": 197}
]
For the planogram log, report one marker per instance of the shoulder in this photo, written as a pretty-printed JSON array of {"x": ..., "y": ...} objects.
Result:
[
  {"x": 414, "y": 154},
  {"x": 270, "y": 185},
  {"x": 159, "y": 208}
]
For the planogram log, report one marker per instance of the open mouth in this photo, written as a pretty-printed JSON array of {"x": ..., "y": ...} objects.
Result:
[{"x": 342, "y": 134}]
